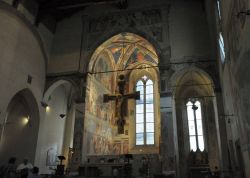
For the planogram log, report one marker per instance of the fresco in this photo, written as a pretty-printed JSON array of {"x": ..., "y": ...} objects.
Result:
[
  {"x": 102, "y": 65},
  {"x": 119, "y": 52},
  {"x": 99, "y": 138},
  {"x": 99, "y": 117},
  {"x": 100, "y": 123},
  {"x": 120, "y": 147},
  {"x": 139, "y": 55},
  {"x": 96, "y": 108},
  {"x": 117, "y": 148},
  {"x": 125, "y": 147}
]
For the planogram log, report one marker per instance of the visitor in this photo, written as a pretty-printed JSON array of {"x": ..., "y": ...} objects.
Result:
[
  {"x": 216, "y": 172},
  {"x": 24, "y": 168},
  {"x": 9, "y": 170},
  {"x": 34, "y": 173}
]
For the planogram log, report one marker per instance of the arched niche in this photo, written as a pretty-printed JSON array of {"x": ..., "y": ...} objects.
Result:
[
  {"x": 188, "y": 85},
  {"x": 58, "y": 124},
  {"x": 149, "y": 70},
  {"x": 20, "y": 129},
  {"x": 120, "y": 54}
]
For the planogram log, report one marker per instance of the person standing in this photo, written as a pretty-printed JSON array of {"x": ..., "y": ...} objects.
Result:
[
  {"x": 9, "y": 170},
  {"x": 34, "y": 173},
  {"x": 24, "y": 168}
]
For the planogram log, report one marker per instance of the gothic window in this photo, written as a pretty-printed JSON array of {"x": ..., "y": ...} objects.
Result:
[
  {"x": 222, "y": 48},
  {"x": 145, "y": 112},
  {"x": 196, "y": 138},
  {"x": 218, "y": 8},
  {"x": 220, "y": 38}
]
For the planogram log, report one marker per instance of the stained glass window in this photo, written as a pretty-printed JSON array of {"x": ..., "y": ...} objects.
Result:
[
  {"x": 145, "y": 112},
  {"x": 195, "y": 127}
]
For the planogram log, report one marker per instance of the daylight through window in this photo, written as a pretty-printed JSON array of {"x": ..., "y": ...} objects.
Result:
[
  {"x": 145, "y": 112},
  {"x": 196, "y": 138}
]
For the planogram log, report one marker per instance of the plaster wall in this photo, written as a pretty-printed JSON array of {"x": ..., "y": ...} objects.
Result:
[
  {"x": 51, "y": 135},
  {"x": 67, "y": 44},
  {"x": 20, "y": 55},
  {"x": 65, "y": 52},
  {"x": 27, "y": 10},
  {"x": 47, "y": 37},
  {"x": 29, "y": 16},
  {"x": 188, "y": 29}
]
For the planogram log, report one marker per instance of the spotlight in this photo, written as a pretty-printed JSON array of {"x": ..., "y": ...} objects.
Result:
[
  {"x": 62, "y": 115},
  {"x": 26, "y": 120},
  {"x": 44, "y": 104}
]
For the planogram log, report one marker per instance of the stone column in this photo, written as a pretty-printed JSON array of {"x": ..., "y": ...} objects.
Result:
[
  {"x": 78, "y": 137},
  {"x": 221, "y": 133},
  {"x": 167, "y": 133},
  {"x": 68, "y": 133}
]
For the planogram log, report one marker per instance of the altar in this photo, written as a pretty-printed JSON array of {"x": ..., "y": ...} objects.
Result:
[{"x": 104, "y": 169}]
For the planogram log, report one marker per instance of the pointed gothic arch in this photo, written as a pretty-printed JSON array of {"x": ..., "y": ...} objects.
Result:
[
  {"x": 20, "y": 127},
  {"x": 193, "y": 85},
  {"x": 121, "y": 54}
]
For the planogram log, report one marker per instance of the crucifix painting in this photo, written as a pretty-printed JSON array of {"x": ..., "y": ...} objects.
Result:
[{"x": 120, "y": 99}]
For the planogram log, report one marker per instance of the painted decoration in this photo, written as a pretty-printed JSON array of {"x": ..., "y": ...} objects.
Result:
[
  {"x": 104, "y": 74},
  {"x": 99, "y": 117},
  {"x": 125, "y": 147},
  {"x": 117, "y": 148},
  {"x": 100, "y": 129},
  {"x": 140, "y": 56}
]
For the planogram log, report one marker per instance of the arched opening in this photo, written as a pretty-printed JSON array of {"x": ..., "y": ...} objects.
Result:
[
  {"x": 20, "y": 129},
  {"x": 195, "y": 104},
  {"x": 134, "y": 58},
  {"x": 58, "y": 124}
]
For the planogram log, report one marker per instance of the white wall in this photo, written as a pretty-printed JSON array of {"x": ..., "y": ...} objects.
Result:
[
  {"x": 51, "y": 134},
  {"x": 20, "y": 56}
]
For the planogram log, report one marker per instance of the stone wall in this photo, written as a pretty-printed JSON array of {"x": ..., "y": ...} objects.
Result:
[{"x": 235, "y": 30}]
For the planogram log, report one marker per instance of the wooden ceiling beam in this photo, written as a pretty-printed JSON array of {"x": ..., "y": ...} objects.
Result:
[{"x": 61, "y": 8}]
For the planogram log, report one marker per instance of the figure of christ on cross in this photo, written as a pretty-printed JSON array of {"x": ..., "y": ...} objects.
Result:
[{"x": 120, "y": 102}]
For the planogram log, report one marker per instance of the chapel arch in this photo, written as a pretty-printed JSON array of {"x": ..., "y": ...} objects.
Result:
[
  {"x": 60, "y": 112},
  {"x": 124, "y": 30},
  {"x": 195, "y": 117},
  {"x": 121, "y": 54},
  {"x": 20, "y": 129}
]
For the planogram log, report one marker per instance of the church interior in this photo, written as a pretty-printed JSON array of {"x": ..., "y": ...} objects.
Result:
[{"x": 126, "y": 88}]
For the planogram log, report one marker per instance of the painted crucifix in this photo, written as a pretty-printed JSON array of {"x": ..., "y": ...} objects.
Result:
[{"x": 120, "y": 101}]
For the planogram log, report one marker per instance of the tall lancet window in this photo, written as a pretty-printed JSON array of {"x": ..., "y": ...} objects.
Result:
[
  {"x": 145, "y": 112},
  {"x": 222, "y": 48},
  {"x": 196, "y": 138}
]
